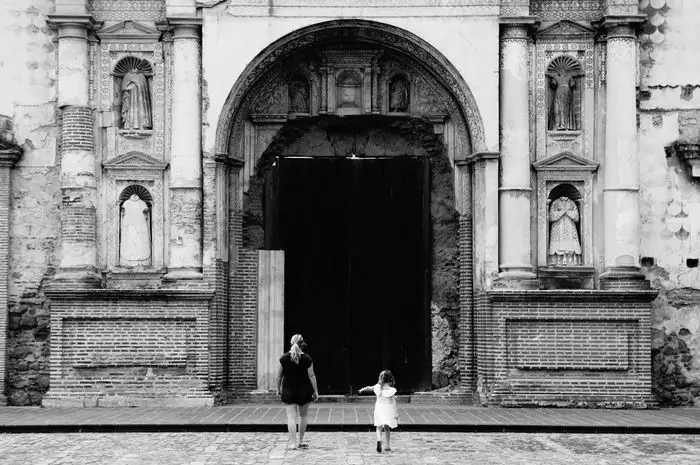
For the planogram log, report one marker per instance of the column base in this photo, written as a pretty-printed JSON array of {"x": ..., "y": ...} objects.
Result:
[
  {"x": 77, "y": 279},
  {"x": 3, "y": 400},
  {"x": 623, "y": 277},
  {"x": 517, "y": 278}
]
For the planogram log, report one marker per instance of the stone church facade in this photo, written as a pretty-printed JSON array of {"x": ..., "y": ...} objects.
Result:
[{"x": 496, "y": 199}]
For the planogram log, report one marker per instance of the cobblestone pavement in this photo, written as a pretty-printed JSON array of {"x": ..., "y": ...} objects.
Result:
[{"x": 349, "y": 448}]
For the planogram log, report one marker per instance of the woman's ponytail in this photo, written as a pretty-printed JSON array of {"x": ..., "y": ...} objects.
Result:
[{"x": 295, "y": 351}]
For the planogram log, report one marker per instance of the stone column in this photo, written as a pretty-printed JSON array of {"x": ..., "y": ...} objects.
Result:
[
  {"x": 9, "y": 155},
  {"x": 185, "y": 243},
  {"x": 621, "y": 178},
  {"x": 78, "y": 255},
  {"x": 515, "y": 263}
]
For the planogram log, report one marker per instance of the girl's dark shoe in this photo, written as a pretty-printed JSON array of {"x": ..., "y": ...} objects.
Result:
[{"x": 379, "y": 446}]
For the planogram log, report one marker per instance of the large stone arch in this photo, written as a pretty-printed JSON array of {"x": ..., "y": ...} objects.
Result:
[
  {"x": 457, "y": 124},
  {"x": 367, "y": 31}
]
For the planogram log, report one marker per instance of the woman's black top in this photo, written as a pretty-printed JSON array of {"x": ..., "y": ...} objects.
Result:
[{"x": 296, "y": 385}]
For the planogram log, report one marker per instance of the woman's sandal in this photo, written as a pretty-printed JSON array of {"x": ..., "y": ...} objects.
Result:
[{"x": 303, "y": 445}]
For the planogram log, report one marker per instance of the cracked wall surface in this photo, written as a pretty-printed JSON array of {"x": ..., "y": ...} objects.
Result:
[
  {"x": 28, "y": 97},
  {"x": 669, "y": 113}
]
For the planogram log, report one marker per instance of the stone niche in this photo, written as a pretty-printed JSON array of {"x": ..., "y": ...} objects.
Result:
[
  {"x": 564, "y": 89},
  {"x": 564, "y": 220},
  {"x": 138, "y": 234}
]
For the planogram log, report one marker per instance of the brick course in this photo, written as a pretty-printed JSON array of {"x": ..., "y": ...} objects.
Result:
[{"x": 564, "y": 348}]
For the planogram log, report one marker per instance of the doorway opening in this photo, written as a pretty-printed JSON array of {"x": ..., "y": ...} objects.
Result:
[{"x": 356, "y": 236}]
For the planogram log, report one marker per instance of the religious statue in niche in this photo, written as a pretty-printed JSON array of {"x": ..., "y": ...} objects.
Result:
[
  {"x": 562, "y": 73},
  {"x": 564, "y": 245},
  {"x": 135, "y": 227},
  {"x": 349, "y": 85},
  {"x": 135, "y": 101},
  {"x": 399, "y": 95},
  {"x": 299, "y": 95}
]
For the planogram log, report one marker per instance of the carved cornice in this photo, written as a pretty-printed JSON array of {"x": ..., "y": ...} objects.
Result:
[
  {"x": 565, "y": 161},
  {"x": 567, "y": 30},
  {"x": 135, "y": 161},
  {"x": 620, "y": 26},
  {"x": 128, "y": 31},
  {"x": 690, "y": 153},
  {"x": 518, "y": 27},
  {"x": 73, "y": 26}
]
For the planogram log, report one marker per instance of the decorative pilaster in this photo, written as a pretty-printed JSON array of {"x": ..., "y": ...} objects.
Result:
[
  {"x": 485, "y": 218},
  {"x": 515, "y": 263},
  {"x": 9, "y": 155},
  {"x": 621, "y": 179},
  {"x": 185, "y": 243},
  {"x": 78, "y": 256}
]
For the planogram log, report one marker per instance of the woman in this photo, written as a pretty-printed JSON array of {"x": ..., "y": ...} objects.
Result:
[{"x": 296, "y": 383}]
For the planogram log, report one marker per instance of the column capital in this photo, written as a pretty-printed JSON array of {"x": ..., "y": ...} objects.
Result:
[
  {"x": 73, "y": 26},
  {"x": 517, "y": 27},
  {"x": 620, "y": 26},
  {"x": 183, "y": 27},
  {"x": 479, "y": 157}
]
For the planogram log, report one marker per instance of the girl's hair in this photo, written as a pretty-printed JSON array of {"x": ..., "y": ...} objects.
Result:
[
  {"x": 295, "y": 351},
  {"x": 385, "y": 377}
]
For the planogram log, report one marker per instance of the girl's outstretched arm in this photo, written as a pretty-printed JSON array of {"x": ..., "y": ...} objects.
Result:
[{"x": 366, "y": 389}]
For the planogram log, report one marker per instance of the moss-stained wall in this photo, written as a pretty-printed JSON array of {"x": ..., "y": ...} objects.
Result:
[
  {"x": 669, "y": 112},
  {"x": 28, "y": 97}
]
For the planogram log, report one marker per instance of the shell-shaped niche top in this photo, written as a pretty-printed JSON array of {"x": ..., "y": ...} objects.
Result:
[
  {"x": 130, "y": 63},
  {"x": 141, "y": 191},
  {"x": 565, "y": 65}
]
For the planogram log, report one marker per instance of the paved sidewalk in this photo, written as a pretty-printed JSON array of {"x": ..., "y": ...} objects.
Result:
[{"x": 349, "y": 417}]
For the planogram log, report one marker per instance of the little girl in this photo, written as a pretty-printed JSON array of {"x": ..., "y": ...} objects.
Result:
[{"x": 385, "y": 410}]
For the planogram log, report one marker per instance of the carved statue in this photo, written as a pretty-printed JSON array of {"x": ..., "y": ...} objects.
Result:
[
  {"x": 135, "y": 233},
  {"x": 136, "y": 101},
  {"x": 398, "y": 95},
  {"x": 298, "y": 97},
  {"x": 562, "y": 115},
  {"x": 564, "y": 245}
]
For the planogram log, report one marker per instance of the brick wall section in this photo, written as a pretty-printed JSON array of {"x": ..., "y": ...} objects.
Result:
[
  {"x": 466, "y": 296},
  {"x": 243, "y": 311},
  {"x": 565, "y": 348},
  {"x": 76, "y": 129},
  {"x": 218, "y": 335},
  {"x": 78, "y": 224},
  {"x": 113, "y": 347},
  {"x": 4, "y": 268}
]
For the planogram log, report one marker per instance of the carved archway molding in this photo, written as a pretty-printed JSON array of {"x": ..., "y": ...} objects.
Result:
[{"x": 370, "y": 32}]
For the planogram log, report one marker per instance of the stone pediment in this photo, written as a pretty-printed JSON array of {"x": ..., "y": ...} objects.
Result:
[
  {"x": 128, "y": 31},
  {"x": 565, "y": 161},
  {"x": 565, "y": 28},
  {"x": 135, "y": 161}
]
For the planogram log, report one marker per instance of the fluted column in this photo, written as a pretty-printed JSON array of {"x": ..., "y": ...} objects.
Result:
[
  {"x": 9, "y": 155},
  {"x": 621, "y": 179},
  {"x": 514, "y": 192},
  {"x": 78, "y": 252},
  {"x": 185, "y": 243}
]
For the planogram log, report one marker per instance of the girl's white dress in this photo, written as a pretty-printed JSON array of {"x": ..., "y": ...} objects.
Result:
[{"x": 385, "y": 409}]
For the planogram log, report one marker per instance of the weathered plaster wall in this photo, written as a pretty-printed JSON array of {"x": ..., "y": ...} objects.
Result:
[
  {"x": 471, "y": 44},
  {"x": 669, "y": 111},
  {"x": 27, "y": 74}
]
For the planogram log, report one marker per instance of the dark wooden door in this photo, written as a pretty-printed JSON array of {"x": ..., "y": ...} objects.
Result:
[{"x": 356, "y": 241}]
